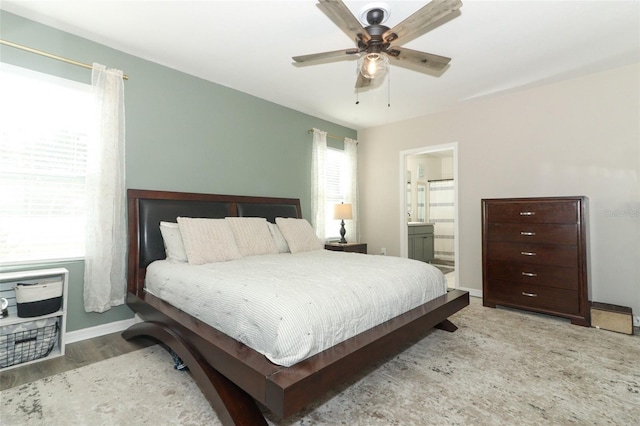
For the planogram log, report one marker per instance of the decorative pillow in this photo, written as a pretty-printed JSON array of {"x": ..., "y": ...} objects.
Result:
[
  {"x": 299, "y": 234},
  {"x": 208, "y": 240},
  {"x": 252, "y": 235},
  {"x": 173, "y": 245},
  {"x": 281, "y": 243}
]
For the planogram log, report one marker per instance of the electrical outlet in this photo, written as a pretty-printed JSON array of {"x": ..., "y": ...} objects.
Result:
[{"x": 383, "y": 251}]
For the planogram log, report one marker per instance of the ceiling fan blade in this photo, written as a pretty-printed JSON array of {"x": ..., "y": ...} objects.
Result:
[
  {"x": 344, "y": 19},
  {"x": 423, "y": 59},
  {"x": 432, "y": 12},
  {"x": 362, "y": 81},
  {"x": 326, "y": 55}
]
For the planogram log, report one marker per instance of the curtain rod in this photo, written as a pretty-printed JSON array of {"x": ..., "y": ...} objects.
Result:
[
  {"x": 49, "y": 55},
  {"x": 338, "y": 138}
]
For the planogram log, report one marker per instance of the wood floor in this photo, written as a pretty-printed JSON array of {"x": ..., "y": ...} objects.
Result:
[{"x": 76, "y": 355}]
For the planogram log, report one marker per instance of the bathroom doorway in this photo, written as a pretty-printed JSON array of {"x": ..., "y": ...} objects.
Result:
[{"x": 429, "y": 196}]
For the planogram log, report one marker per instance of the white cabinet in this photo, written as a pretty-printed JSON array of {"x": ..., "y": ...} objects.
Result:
[{"x": 8, "y": 281}]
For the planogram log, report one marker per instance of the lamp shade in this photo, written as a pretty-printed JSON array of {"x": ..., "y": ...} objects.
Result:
[{"x": 342, "y": 211}]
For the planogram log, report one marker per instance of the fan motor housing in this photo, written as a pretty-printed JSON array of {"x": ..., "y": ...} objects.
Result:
[
  {"x": 376, "y": 42},
  {"x": 376, "y": 30}
]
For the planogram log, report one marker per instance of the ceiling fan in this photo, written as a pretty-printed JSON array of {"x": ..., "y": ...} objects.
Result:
[{"x": 374, "y": 42}]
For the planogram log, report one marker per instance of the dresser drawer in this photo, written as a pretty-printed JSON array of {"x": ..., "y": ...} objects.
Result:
[
  {"x": 533, "y": 296},
  {"x": 533, "y": 212},
  {"x": 538, "y": 254},
  {"x": 533, "y": 233},
  {"x": 542, "y": 275}
]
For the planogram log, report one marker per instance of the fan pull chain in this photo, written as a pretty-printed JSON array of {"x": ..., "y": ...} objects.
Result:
[{"x": 357, "y": 96}]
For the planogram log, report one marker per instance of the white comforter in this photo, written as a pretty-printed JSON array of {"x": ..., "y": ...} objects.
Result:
[{"x": 292, "y": 306}]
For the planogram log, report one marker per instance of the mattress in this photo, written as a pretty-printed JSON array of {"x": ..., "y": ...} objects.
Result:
[{"x": 289, "y": 307}]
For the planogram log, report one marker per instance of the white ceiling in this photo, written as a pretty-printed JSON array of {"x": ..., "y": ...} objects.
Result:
[{"x": 495, "y": 46}]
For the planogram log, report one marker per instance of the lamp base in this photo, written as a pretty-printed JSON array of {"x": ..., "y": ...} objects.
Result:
[{"x": 342, "y": 232}]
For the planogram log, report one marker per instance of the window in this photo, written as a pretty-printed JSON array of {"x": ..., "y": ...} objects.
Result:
[
  {"x": 335, "y": 189},
  {"x": 45, "y": 129}
]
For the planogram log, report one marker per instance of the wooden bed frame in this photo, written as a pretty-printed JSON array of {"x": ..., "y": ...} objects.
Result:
[{"x": 232, "y": 376}]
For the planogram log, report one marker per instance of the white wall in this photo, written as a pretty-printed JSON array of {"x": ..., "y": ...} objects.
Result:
[
  {"x": 578, "y": 137},
  {"x": 447, "y": 167}
]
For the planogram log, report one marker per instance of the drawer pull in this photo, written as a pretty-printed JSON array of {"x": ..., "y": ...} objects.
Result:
[
  {"x": 529, "y": 274},
  {"x": 528, "y": 234},
  {"x": 527, "y": 253},
  {"x": 524, "y": 293},
  {"x": 527, "y": 213}
]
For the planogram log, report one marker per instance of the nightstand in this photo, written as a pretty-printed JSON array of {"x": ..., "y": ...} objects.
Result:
[{"x": 348, "y": 247}]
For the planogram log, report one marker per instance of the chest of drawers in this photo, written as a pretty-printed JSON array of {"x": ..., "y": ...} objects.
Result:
[{"x": 534, "y": 255}]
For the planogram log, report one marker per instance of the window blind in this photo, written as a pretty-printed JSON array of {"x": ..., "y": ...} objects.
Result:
[
  {"x": 334, "y": 190},
  {"x": 46, "y": 124}
]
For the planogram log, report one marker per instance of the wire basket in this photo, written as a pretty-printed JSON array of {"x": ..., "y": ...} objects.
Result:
[{"x": 27, "y": 341}]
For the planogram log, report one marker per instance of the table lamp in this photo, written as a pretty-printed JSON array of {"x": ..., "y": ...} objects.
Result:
[{"x": 342, "y": 211}]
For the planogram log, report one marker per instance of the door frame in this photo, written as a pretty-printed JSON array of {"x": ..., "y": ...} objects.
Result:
[{"x": 402, "y": 220}]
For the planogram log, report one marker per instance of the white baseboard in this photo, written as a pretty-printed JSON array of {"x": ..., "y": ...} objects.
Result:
[
  {"x": 99, "y": 330},
  {"x": 472, "y": 291}
]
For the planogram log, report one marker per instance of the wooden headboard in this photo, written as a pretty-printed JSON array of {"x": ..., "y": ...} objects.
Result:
[{"x": 148, "y": 208}]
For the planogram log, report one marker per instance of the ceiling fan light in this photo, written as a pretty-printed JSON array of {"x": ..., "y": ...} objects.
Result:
[{"x": 373, "y": 65}]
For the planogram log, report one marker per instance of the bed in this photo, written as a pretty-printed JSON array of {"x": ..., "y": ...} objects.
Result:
[{"x": 238, "y": 380}]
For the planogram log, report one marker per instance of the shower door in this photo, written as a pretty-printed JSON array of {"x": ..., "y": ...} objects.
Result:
[{"x": 441, "y": 214}]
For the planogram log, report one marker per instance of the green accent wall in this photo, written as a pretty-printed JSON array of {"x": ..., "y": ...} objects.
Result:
[{"x": 182, "y": 134}]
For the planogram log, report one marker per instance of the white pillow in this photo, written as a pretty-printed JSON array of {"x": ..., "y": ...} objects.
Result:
[
  {"x": 173, "y": 245},
  {"x": 299, "y": 234},
  {"x": 208, "y": 240},
  {"x": 281, "y": 243},
  {"x": 252, "y": 235}
]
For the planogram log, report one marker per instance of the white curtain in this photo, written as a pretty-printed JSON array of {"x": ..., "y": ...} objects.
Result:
[
  {"x": 318, "y": 179},
  {"x": 106, "y": 238},
  {"x": 351, "y": 189}
]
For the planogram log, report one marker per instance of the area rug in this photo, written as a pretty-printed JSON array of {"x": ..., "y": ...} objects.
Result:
[{"x": 502, "y": 367}]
